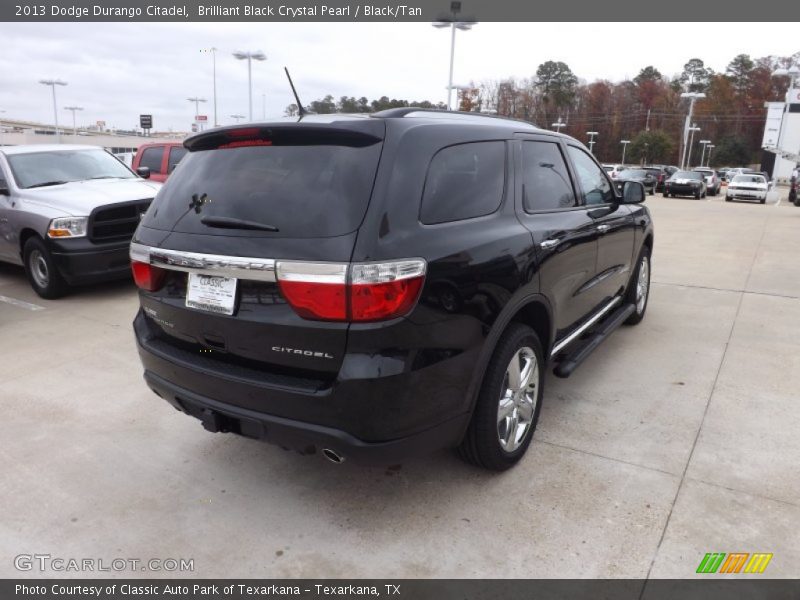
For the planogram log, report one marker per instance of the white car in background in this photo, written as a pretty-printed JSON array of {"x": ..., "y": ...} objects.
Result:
[
  {"x": 747, "y": 186},
  {"x": 614, "y": 170}
]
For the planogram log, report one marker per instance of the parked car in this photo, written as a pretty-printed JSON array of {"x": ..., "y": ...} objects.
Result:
[
  {"x": 713, "y": 183},
  {"x": 395, "y": 284},
  {"x": 160, "y": 160},
  {"x": 613, "y": 169},
  {"x": 67, "y": 214},
  {"x": 748, "y": 186},
  {"x": 722, "y": 174},
  {"x": 662, "y": 173},
  {"x": 647, "y": 177},
  {"x": 685, "y": 183}
]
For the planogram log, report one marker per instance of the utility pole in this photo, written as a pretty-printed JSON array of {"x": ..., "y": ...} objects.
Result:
[
  {"x": 53, "y": 83},
  {"x": 692, "y": 97},
  {"x": 559, "y": 125},
  {"x": 73, "y": 109},
  {"x": 624, "y": 147},
  {"x": 693, "y": 128},
  {"x": 591, "y": 135}
]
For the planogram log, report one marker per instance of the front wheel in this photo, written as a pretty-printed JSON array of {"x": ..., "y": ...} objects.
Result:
[
  {"x": 639, "y": 288},
  {"x": 42, "y": 273},
  {"x": 509, "y": 402}
]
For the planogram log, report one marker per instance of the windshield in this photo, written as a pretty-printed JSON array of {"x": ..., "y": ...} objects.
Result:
[
  {"x": 749, "y": 179},
  {"x": 36, "y": 169},
  {"x": 633, "y": 173},
  {"x": 295, "y": 190},
  {"x": 687, "y": 175}
]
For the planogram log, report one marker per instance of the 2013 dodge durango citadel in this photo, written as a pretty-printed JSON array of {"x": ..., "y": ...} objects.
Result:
[{"x": 374, "y": 287}]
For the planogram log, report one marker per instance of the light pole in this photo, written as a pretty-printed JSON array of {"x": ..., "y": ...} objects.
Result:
[
  {"x": 693, "y": 96},
  {"x": 214, "y": 75},
  {"x": 708, "y": 158},
  {"x": 249, "y": 57},
  {"x": 237, "y": 118},
  {"x": 693, "y": 128},
  {"x": 73, "y": 109},
  {"x": 591, "y": 135},
  {"x": 53, "y": 83},
  {"x": 197, "y": 100},
  {"x": 703, "y": 153},
  {"x": 453, "y": 23},
  {"x": 624, "y": 147},
  {"x": 559, "y": 125}
]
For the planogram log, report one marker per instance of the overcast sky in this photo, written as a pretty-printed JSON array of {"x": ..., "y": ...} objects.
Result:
[{"x": 118, "y": 70}]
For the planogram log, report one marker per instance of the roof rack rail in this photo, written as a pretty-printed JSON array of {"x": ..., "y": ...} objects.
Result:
[{"x": 406, "y": 110}]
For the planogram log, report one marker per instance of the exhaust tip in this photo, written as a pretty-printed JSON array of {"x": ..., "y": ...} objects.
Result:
[{"x": 332, "y": 456}]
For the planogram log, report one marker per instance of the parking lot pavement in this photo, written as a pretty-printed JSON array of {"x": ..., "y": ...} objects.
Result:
[{"x": 676, "y": 438}]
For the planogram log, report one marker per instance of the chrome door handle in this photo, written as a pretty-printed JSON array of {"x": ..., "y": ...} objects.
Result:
[
  {"x": 603, "y": 228},
  {"x": 547, "y": 244}
]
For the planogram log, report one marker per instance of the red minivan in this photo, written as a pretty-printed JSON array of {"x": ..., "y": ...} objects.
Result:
[{"x": 161, "y": 159}]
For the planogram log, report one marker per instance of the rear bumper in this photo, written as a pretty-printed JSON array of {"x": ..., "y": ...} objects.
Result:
[
  {"x": 371, "y": 419},
  {"x": 305, "y": 438},
  {"x": 80, "y": 261}
]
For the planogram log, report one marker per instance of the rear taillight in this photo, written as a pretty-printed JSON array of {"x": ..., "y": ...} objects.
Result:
[
  {"x": 360, "y": 292},
  {"x": 147, "y": 277}
]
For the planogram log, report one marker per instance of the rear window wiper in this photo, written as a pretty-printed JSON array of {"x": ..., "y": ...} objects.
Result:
[
  {"x": 46, "y": 183},
  {"x": 233, "y": 223}
]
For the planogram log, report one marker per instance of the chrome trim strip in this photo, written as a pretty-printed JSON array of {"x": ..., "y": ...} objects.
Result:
[
  {"x": 559, "y": 346},
  {"x": 240, "y": 267}
]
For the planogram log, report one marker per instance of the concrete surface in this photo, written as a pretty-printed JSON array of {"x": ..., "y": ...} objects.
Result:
[{"x": 676, "y": 438}]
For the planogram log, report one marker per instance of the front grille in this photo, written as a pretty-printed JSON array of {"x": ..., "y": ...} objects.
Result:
[{"x": 116, "y": 221}]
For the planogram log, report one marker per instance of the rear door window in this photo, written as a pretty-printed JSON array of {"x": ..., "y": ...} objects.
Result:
[
  {"x": 545, "y": 178},
  {"x": 176, "y": 153},
  {"x": 151, "y": 158},
  {"x": 464, "y": 182},
  {"x": 314, "y": 190}
]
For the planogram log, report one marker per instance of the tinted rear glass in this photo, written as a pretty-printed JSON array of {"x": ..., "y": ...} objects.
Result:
[
  {"x": 302, "y": 190},
  {"x": 633, "y": 173},
  {"x": 687, "y": 175}
]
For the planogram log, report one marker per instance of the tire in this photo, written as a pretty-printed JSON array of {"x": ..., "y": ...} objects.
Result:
[
  {"x": 652, "y": 192},
  {"x": 42, "y": 273},
  {"x": 488, "y": 443},
  {"x": 697, "y": 196},
  {"x": 763, "y": 201},
  {"x": 666, "y": 195},
  {"x": 632, "y": 294},
  {"x": 727, "y": 198}
]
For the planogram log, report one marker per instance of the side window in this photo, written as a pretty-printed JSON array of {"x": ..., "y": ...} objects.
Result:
[
  {"x": 596, "y": 187},
  {"x": 151, "y": 158},
  {"x": 176, "y": 153},
  {"x": 464, "y": 182},
  {"x": 545, "y": 179},
  {"x": 3, "y": 180}
]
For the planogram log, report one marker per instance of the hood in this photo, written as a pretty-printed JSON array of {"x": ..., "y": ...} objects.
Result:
[{"x": 79, "y": 198}]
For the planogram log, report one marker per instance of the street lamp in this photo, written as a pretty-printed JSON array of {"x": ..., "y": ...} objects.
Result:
[
  {"x": 624, "y": 147},
  {"x": 693, "y": 128},
  {"x": 559, "y": 125},
  {"x": 591, "y": 135},
  {"x": 197, "y": 102},
  {"x": 237, "y": 118},
  {"x": 214, "y": 75},
  {"x": 249, "y": 57},
  {"x": 73, "y": 109},
  {"x": 693, "y": 96},
  {"x": 703, "y": 153},
  {"x": 53, "y": 83},
  {"x": 453, "y": 23},
  {"x": 708, "y": 158}
]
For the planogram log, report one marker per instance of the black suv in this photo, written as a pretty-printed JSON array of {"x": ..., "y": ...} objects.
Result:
[{"x": 373, "y": 287}]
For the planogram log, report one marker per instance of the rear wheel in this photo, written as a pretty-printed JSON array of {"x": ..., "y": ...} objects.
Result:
[
  {"x": 666, "y": 195},
  {"x": 41, "y": 270},
  {"x": 509, "y": 402},
  {"x": 639, "y": 288}
]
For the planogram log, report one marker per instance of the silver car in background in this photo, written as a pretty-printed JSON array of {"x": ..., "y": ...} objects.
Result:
[{"x": 67, "y": 214}]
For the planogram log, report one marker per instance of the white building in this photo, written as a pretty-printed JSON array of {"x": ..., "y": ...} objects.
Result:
[{"x": 782, "y": 134}]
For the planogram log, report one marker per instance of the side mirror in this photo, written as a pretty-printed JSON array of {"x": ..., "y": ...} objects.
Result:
[
  {"x": 633, "y": 192},
  {"x": 143, "y": 172}
]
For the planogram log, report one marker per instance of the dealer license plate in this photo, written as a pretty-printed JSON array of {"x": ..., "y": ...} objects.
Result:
[{"x": 211, "y": 293}]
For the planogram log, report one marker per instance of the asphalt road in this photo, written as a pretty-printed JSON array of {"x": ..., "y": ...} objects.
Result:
[{"x": 676, "y": 438}]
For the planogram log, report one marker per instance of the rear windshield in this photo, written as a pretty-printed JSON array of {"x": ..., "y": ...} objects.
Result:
[
  {"x": 300, "y": 190},
  {"x": 633, "y": 173},
  {"x": 687, "y": 175},
  {"x": 749, "y": 179}
]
